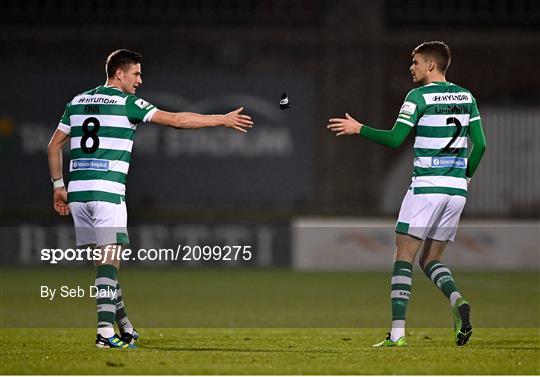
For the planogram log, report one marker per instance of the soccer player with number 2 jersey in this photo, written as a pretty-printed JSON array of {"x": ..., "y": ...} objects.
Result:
[
  {"x": 444, "y": 115},
  {"x": 100, "y": 125}
]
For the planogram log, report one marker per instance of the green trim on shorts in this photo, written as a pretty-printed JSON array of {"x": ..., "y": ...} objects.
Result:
[
  {"x": 440, "y": 190},
  {"x": 122, "y": 238},
  {"x": 402, "y": 228},
  {"x": 94, "y": 196}
]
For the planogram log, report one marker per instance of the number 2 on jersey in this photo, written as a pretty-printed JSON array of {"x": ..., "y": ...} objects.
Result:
[
  {"x": 90, "y": 134},
  {"x": 457, "y": 123}
]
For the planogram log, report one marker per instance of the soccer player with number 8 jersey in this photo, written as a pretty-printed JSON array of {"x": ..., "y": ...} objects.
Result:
[
  {"x": 100, "y": 125},
  {"x": 443, "y": 115}
]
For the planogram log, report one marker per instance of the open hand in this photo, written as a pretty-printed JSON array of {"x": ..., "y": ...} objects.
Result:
[
  {"x": 238, "y": 121},
  {"x": 344, "y": 126}
]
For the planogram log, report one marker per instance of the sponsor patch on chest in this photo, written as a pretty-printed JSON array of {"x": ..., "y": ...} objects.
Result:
[
  {"x": 90, "y": 164},
  {"x": 448, "y": 162}
]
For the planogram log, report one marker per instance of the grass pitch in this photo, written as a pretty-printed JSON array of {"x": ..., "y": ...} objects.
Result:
[
  {"x": 228, "y": 321},
  {"x": 270, "y": 351}
]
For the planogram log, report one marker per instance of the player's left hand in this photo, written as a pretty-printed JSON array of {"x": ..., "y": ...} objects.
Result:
[
  {"x": 60, "y": 201},
  {"x": 345, "y": 126}
]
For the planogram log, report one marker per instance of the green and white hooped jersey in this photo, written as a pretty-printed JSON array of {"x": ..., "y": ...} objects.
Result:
[
  {"x": 102, "y": 124},
  {"x": 441, "y": 113}
]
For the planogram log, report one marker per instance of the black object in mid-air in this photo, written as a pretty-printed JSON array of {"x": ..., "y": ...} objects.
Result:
[{"x": 284, "y": 103}]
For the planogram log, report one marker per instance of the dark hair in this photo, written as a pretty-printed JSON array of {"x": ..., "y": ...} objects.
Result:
[
  {"x": 439, "y": 51},
  {"x": 120, "y": 59}
]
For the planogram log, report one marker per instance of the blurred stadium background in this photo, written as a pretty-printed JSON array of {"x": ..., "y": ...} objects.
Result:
[{"x": 289, "y": 173}]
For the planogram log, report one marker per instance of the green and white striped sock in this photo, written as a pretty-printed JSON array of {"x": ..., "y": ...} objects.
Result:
[
  {"x": 106, "y": 303},
  {"x": 122, "y": 319},
  {"x": 442, "y": 277},
  {"x": 401, "y": 292}
]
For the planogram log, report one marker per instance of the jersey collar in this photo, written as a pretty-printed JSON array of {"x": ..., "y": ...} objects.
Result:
[
  {"x": 435, "y": 83},
  {"x": 111, "y": 87}
]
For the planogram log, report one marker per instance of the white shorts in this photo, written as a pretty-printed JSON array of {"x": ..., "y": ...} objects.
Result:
[
  {"x": 99, "y": 223},
  {"x": 433, "y": 216}
]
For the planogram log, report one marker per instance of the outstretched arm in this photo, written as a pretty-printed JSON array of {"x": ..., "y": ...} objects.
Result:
[
  {"x": 349, "y": 126},
  {"x": 235, "y": 120},
  {"x": 478, "y": 139}
]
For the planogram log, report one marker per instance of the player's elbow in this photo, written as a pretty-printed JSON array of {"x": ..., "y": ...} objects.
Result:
[
  {"x": 480, "y": 149},
  {"x": 395, "y": 143},
  {"x": 175, "y": 121},
  {"x": 53, "y": 148},
  {"x": 181, "y": 121}
]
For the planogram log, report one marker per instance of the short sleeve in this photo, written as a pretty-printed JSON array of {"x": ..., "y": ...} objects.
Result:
[
  {"x": 139, "y": 110},
  {"x": 411, "y": 110},
  {"x": 475, "y": 114},
  {"x": 65, "y": 125}
]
